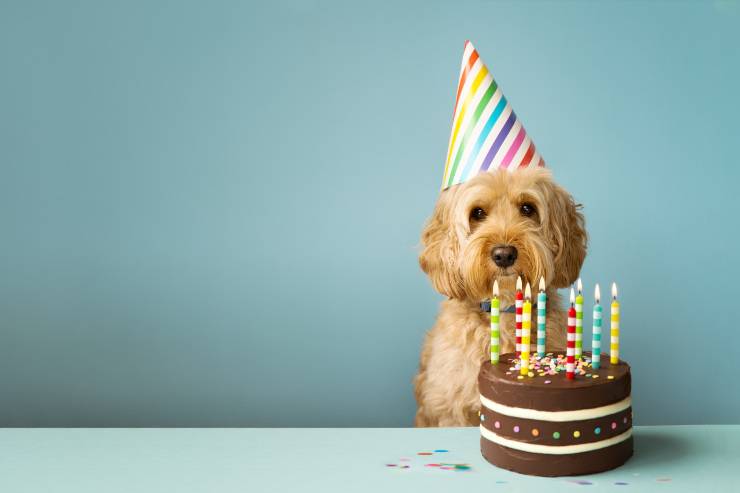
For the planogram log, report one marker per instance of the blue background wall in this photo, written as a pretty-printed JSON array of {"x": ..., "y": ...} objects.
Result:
[{"x": 210, "y": 213}]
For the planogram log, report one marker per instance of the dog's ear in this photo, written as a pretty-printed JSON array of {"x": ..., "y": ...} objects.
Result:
[
  {"x": 567, "y": 231},
  {"x": 440, "y": 249}
]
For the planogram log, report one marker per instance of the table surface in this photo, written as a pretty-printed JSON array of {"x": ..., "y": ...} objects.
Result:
[{"x": 667, "y": 458}]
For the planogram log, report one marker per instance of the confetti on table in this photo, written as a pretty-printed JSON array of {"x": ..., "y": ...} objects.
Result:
[
  {"x": 411, "y": 464},
  {"x": 663, "y": 480}
]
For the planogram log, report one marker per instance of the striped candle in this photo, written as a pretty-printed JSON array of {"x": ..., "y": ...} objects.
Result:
[
  {"x": 518, "y": 301},
  {"x": 614, "y": 359},
  {"x": 495, "y": 313},
  {"x": 570, "y": 367},
  {"x": 486, "y": 133},
  {"x": 526, "y": 329},
  {"x": 541, "y": 318},
  {"x": 579, "y": 321},
  {"x": 596, "y": 341}
]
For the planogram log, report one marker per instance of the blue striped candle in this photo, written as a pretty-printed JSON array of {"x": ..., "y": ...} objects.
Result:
[
  {"x": 541, "y": 319},
  {"x": 596, "y": 341}
]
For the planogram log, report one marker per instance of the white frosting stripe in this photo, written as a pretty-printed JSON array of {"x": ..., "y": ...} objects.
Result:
[
  {"x": 553, "y": 449},
  {"x": 557, "y": 416}
]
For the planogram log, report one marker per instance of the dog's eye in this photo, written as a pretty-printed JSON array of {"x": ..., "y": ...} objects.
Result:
[
  {"x": 527, "y": 209},
  {"x": 477, "y": 214}
]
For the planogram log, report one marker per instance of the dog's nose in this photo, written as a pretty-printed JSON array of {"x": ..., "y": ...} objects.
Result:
[{"x": 504, "y": 256}]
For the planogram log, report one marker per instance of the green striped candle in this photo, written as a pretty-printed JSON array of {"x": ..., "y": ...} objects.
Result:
[
  {"x": 579, "y": 321},
  {"x": 596, "y": 341},
  {"x": 541, "y": 318},
  {"x": 495, "y": 313}
]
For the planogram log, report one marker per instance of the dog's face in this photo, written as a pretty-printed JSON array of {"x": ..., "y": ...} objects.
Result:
[{"x": 501, "y": 225}]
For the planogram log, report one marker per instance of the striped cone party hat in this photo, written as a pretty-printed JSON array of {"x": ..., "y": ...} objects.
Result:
[{"x": 486, "y": 134}]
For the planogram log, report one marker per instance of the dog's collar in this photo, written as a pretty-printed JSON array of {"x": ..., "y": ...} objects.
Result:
[{"x": 485, "y": 306}]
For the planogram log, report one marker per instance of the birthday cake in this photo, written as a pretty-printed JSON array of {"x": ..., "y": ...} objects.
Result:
[{"x": 544, "y": 424}]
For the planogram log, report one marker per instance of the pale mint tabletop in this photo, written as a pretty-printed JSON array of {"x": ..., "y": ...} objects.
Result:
[{"x": 667, "y": 458}]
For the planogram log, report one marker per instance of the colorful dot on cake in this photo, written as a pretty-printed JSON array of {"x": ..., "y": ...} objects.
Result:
[
  {"x": 556, "y": 435},
  {"x": 548, "y": 382},
  {"x": 497, "y": 424},
  {"x": 597, "y": 430},
  {"x": 614, "y": 425},
  {"x": 595, "y": 376},
  {"x": 516, "y": 429},
  {"x": 624, "y": 420},
  {"x": 576, "y": 434},
  {"x": 535, "y": 432},
  {"x": 482, "y": 417},
  {"x": 520, "y": 377},
  {"x": 610, "y": 377}
]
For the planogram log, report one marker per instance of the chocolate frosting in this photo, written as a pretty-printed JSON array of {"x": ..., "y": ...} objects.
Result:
[
  {"x": 568, "y": 433},
  {"x": 560, "y": 394},
  {"x": 557, "y": 465}
]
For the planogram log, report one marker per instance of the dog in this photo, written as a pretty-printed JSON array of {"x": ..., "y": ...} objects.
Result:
[{"x": 497, "y": 226}]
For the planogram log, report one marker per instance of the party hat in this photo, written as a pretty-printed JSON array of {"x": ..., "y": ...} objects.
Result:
[{"x": 486, "y": 134}]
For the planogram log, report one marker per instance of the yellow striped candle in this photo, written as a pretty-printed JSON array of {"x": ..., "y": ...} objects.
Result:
[
  {"x": 526, "y": 329},
  {"x": 579, "y": 320},
  {"x": 614, "y": 356},
  {"x": 495, "y": 313}
]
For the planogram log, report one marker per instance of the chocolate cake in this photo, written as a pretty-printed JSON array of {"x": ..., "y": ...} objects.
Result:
[{"x": 546, "y": 425}]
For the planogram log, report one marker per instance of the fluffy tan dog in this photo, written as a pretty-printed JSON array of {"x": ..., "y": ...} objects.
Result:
[{"x": 497, "y": 225}]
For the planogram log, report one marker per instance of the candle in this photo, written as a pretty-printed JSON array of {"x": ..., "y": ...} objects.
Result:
[
  {"x": 526, "y": 329},
  {"x": 596, "y": 341},
  {"x": 495, "y": 312},
  {"x": 579, "y": 321},
  {"x": 518, "y": 314},
  {"x": 614, "y": 359},
  {"x": 571, "y": 349},
  {"x": 541, "y": 318}
]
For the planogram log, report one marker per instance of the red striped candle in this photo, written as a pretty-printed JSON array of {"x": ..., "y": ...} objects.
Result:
[
  {"x": 570, "y": 367},
  {"x": 518, "y": 303}
]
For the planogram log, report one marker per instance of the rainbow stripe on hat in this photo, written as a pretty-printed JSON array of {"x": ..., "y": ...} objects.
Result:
[{"x": 486, "y": 134}]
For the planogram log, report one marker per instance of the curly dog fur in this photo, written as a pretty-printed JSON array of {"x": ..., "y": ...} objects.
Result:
[{"x": 456, "y": 254}]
